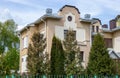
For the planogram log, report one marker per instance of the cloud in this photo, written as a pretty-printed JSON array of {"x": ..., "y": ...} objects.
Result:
[
  {"x": 24, "y": 13},
  {"x": 5, "y": 14},
  {"x": 111, "y": 4}
]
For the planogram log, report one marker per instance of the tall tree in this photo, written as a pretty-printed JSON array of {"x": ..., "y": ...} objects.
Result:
[
  {"x": 37, "y": 57},
  {"x": 9, "y": 45},
  {"x": 57, "y": 57},
  {"x": 11, "y": 61},
  {"x": 8, "y": 37},
  {"x": 99, "y": 60},
  {"x": 72, "y": 56}
]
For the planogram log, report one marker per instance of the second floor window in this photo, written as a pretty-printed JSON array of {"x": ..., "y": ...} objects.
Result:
[
  {"x": 25, "y": 42},
  {"x": 97, "y": 28},
  {"x": 93, "y": 29},
  {"x": 108, "y": 42},
  {"x": 66, "y": 32}
]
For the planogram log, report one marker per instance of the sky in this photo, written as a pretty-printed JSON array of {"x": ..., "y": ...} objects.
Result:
[{"x": 27, "y": 11}]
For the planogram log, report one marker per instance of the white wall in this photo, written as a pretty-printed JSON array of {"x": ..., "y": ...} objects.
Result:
[
  {"x": 70, "y": 24},
  {"x": 59, "y": 32},
  {"x": 80, "y": 33},
  {"x": 116, "y": 44}
]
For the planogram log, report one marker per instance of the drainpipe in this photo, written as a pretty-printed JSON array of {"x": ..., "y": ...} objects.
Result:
[{"x": 45, "y": 33}]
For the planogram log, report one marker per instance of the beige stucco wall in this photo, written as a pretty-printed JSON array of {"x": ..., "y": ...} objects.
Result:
[
  {"x": 107, "y": 35},
  {"x": 116, "y": 43},
  {"x": 27, "y": 32},
  {"x": 86, "y": 26}
]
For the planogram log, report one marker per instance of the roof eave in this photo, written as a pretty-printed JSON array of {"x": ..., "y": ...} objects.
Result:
[{"x": 45, "y": 17}]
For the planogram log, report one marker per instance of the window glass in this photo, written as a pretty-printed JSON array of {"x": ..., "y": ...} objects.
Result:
[
  {"x": 93, "y": 29},
  {"x": 65, "y": 34},
  {"x": 97, "y": 28},
  {"x": 81, "y": 55},
  {"x": 25, "y": 42}
]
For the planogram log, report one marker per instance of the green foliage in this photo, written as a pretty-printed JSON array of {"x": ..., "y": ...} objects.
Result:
[
  {"x": 99, "y": 60},
  {"x": 9, "y": 47},
  {"x": 72, "y": 60},
  {"x": 11, "y": 61},
  {"x": 57, "y": 57},
  {"x": 37, "y": 60},
  {"x": 8, "y": 36}
]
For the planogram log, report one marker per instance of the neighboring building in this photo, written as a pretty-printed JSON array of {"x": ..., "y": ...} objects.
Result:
[
  {"x": 112, "y": 35},
  {"x": 57, "y": 24}
]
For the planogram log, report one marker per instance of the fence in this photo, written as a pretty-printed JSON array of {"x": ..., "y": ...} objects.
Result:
[{"x": 60, "y": 76}]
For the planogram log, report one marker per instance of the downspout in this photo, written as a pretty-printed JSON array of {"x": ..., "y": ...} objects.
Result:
[
  {"x": 45, "y": 33},
  {"x": 90, "y": 34}
]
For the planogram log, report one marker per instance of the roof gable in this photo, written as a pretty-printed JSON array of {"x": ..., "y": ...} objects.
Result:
[{"x": 71, "y": 7}]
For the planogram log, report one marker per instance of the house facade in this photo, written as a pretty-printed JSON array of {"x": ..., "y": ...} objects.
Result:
[{"x": 57, "y": 24}]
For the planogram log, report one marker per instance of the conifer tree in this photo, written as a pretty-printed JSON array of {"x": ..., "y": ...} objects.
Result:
[
  {"x": 37, "y": 57},
  {"x": 57, "y": 57},
  {"x": 72, "y": 60},
  {"x": 99, "y": 60}
]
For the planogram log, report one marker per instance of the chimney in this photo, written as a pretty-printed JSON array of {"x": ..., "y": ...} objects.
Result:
[
  {"x": 87, "y": 16},
  {"x": 112, "y": 24},
  {"x": 104, "y": 26},
  {"x": 48, "y": 11}
]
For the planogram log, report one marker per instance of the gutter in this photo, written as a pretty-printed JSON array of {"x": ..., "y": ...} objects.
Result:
[{"x": 45, "y": 32}]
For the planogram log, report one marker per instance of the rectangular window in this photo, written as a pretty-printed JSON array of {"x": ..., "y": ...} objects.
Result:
[
  {"x": 82, "y": 56},
  {"x": 93, "y": 29},
  {"x": 65, "y": 34},
  {"x": 74, "y": 35},
  {"x": 97, "y": 28},
  {"x": 22, "y": 59},
  {"x": 25, "y": 42},
  {"x": 108, "y": 42}
]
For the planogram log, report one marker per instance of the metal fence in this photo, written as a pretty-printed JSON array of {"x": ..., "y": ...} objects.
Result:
[{"x": 60, "y": 76}]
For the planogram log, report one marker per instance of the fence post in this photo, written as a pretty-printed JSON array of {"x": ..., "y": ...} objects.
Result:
[
  {"x": 71, "y": 76},
  {"x": 44, "y": 76},
  {"x": 116, "y": 76},
  {"x": 6, "y": 76},
  {"x": 95, "y": 76},
  {"x": 13, "y": 76}
]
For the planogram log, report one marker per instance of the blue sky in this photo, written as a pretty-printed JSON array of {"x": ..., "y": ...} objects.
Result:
[{"x": 27, "y": 11}]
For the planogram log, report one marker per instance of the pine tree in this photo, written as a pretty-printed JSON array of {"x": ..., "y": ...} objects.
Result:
[
  {"x": 57, "y": 57},
  {"x": 37, "y": 58},
  {"x": 72, "y": 60},
  {"x": 99, "y": 60}
]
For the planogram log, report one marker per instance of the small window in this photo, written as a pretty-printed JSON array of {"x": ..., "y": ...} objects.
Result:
[
  {"x": 69, "y": 18},
  {"x": 65, "y": 33},
  {"x": 22, "y": 59},
  {"x": 25, "y": 42},
  {"x": 82, "y": 56},
  {"x": 97, "y": 28},
  {"x": 93, "y": 29},
  {"x": 108, "y": 42},
  {"x": 74, "y": 35}
]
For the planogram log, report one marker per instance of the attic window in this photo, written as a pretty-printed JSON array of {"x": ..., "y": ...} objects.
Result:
[{"x": 69, "y": 18}]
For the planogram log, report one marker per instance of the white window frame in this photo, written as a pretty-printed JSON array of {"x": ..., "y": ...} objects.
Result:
[{"x": 25, "y": 42}]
